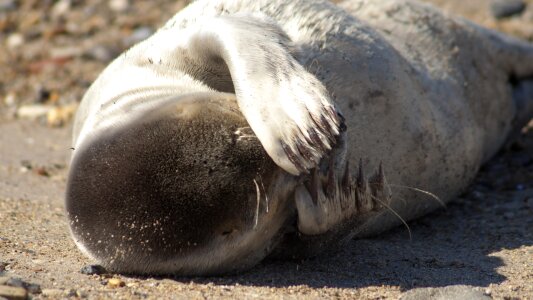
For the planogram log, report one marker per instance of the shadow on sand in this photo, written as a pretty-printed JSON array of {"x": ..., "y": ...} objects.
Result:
[{"x": 456, "y": 246}]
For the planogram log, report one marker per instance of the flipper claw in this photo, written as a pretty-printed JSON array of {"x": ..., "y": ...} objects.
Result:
[{"x": 336, "y": 200}]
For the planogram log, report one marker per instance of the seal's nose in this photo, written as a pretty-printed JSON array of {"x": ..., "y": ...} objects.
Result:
[{"x": 164, "y": 186}]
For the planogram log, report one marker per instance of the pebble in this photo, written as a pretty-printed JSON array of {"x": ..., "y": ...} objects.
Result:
[
  {"x": 119, "y": 5},
  {"x": 81, "y": 294},
  {"x": 10, "y": 99},
  {"x": 65, "y": 52},
  {"x": 42, "y": 94},
  {"x": 138, "y": 35},
  {"x": 32, "y": 111},
  {"x": 60, "y": 115},
  {"x": 115, "y": 282},
  {"x": 93, "y": 270},
  {"x": 52, "y": 293},
  {"x": 17, "y": 282},
  {"x": 70, "y": 293},
  {"x": 446, "y": 293},
  {"x": 26, "y": 165},
  {"x": 506, "y": 8},
  {"x": 14, "y": 40},
  {"x": 13, "y": 293},
  {"x": 61, "y": 7}
]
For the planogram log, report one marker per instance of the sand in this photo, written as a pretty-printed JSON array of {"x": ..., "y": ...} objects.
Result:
[{"x": 479, "y": 246}]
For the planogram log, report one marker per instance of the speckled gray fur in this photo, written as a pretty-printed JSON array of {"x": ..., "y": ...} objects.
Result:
[{"x": 429, "y": 96}]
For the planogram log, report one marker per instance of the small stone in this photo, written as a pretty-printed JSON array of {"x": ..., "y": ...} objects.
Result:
[
  {"x": 37, "y": 261},
  {"x": 115, "y": 283},
  {"x": 13, "y": 293},
  {"x": 15, "y": 40},
  {"x": 25, "y": 166},
  {"x": 33, "y": 288},
  {"x": 61, "y": 7},
  {"x": 119, "y": 5},
  {"x": 52, "y": 293},
  {"x": 65, "y": 52},
  {"x": 60, "y": 115},
  {"x": 32, "y": 111},
  {"x": 15, "y": 282},
  {"x": 506, "y": 8},
  {"x": 81, "y": 294},
  {"x": 93, "y": 270},
  {"x": 42, "y": 94},
  {"x": 10, "y": 99}
]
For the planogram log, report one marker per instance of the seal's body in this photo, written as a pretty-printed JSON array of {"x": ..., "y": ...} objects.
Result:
[{"x": 228, "y": 135}]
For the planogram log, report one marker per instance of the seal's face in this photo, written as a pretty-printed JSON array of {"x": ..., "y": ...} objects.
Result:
[{"x": 187, "y": 189}]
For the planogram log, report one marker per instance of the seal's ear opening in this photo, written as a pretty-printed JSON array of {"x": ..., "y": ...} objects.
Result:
[{"x": 164, "y": 186}]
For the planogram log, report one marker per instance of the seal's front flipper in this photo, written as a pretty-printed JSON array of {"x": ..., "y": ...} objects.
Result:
[
  {"x": 332, "y": 208},
  {"x": 287, "y": 107},
  {"x": 327, "y": 203}
]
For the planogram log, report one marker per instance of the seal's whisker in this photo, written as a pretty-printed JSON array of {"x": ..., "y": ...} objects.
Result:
[
  {"x": 264, "y": 191},
  {"x": 418, "y": 190},
  {"x": 396, "y": 214},
  {"x": 258, "y": 192}
]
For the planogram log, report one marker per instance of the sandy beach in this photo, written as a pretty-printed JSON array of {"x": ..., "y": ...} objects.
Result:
[{"x": 479, "y": 247}]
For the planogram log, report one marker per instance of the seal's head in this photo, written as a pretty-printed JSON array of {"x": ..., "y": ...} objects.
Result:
[
  {"x": 185, "y": 188},
  {"x": 181, "y": 189}
]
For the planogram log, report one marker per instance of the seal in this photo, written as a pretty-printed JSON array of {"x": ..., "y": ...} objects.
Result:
[{"x": 245, "y": 129}]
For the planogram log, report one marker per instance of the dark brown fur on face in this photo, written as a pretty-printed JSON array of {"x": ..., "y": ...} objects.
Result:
[{"x": 165, "y": 188}]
